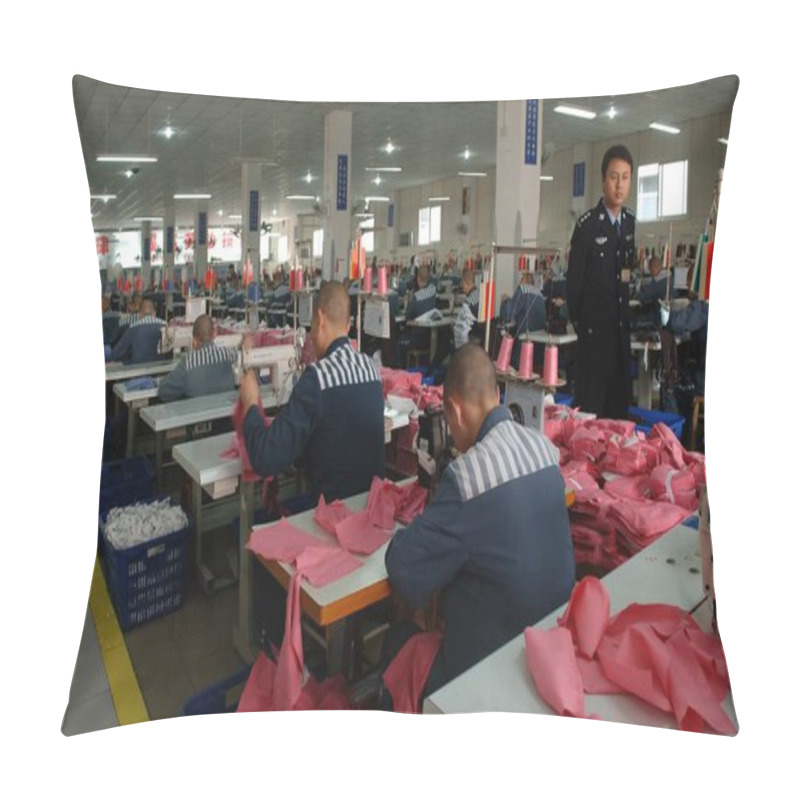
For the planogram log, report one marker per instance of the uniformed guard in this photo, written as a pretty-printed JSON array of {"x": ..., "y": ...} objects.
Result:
[
  {"x": 140, "y": 342},
  {"x": 334, "y": 418},
  {"x": 602, "y": 254},
  {"x": 206, "y": 369},
  {"x": 495, "y": 541}
]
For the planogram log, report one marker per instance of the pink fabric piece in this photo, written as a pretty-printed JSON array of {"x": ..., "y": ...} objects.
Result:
[
  {"x": 358, "y": 535},
  {"x": 411, "y": 503},
  {"x": 551, "y": 661},
  {"x": 257, "y": 692},
  {"x": 588, "y": 443},
  {"x": 595, "y": 681},
  {"x": 280, "y": 541},
  {"x": 672, "y": 451},
  {"x": 380, "y": 506},
  {"x": 406, "y": 676},
  {"x": 644, "y": 520},
  {"x": 635, "y": 487},
  {"x": 587, "y": 615},
  {"x": 674, "y": 486},
  {"x": 248, "y": 473},
  {"x": 584, "y": 485},
  {"x": 289, "y": 673},
  {"x": 327, "y": 515},
  {"x": 322, "y": 564}
]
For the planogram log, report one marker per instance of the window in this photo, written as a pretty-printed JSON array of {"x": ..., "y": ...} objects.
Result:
[
  {"x": 317, "y": 244},
  {"x": 367, "y": 225},
  {"x": 430, "y": 225},
  {"x": 661, "y": 190},
  {"x": 283, "y": 249}
]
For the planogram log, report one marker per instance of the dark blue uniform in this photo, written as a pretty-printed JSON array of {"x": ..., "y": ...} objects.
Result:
[
  {"x": 597, "y": 298},
  {"x": 333, "y": 421},
  {"x": 207, "y": 370},
  {"x": 495, "y": 542},
  {"x": 140, "y": 341},
  {"x": 422, "y": 301},
  {"x": 528, "y": 309}
]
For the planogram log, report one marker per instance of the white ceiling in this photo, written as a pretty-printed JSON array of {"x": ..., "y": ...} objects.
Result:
[{"x": 214, "y": 133}]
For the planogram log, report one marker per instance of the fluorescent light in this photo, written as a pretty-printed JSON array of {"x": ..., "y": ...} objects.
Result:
[
  {"x": 383, "y": 169},
  {"x": 234, "y": 216},
  {"x": 300, "y": 197},
  {"x": 129, "y": 159},
  {"x": 191, "y": 196},
  {"x": 657, "y": 126},
  {"x": 572, "y": 111},
  {"x": 147, "y": 219},
  {"x": 722, "y": 141},
  {"x": 168, "y": 132},
  {"x": 376, "y": 199},
  {"x": 545, "y": 177},
  {"x": 104, "y": 197},
  {"x": 466, "y": 154},
  {"x": 308, "y": 178},
  {"x": 472, "y": 174},
  {"x": 377, "y": 180},
  {"x": 438, "y": 199},
  {"x": 129, "y": 173},
  {"x": 612, "y": 112},
  {"x": 390, "y": 148}
]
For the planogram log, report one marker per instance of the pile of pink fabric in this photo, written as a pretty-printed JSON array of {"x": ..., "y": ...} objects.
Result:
[
  {"x": 630, "y": 488},
  {"x": 400, "y": 383},
  {"x": 655, "y": 652},
  {"x": 271, "y": 337}
]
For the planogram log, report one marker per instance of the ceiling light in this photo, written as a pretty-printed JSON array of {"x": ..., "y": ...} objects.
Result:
[
  {"x": 472, "y": 174},
  {"x": 545, "y": 177},
  {"x": 657, "y": 126},
  {"x": 234, "y": 216},
  {"x": 274, "y": 211},
  {"x": 390, "y": 148},
  {"x": 147, "y": 219},
  {"x": 377, "y": 180},
  {"x": 383, "y": 169},
  {"x": 438, "y": 199},
  {"x": 129, "y": 159},
  {"x": 466, "y": 153},
  {"x": 308, "y": 178},
  {"x": 191, "y": 196},
  {"x": 571, "y": 111},
  {"x": 722, "y": 141},
  {"x": 299, "y": 196},
  {"x": 612, "y": 112},
  {"x": 168, "y": 132},
  {"x": 376, "y": 199},
  {"x": 104, "y": 197},
  {"x": 129, "y": 173},
  {"x": 363, "y": 214}
]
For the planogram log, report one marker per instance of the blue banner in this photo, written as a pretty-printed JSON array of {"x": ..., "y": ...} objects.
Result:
[
  {"x": 341, "y": 184},
  {"x": 202, "y": 228},
  {"x": 254, "y": 210},
  {"x": 391, "y": 215},
  {"x": 531, "y": 131},
  {"x": 169, "y": 246},
  {"x": 579, "y": 179}
]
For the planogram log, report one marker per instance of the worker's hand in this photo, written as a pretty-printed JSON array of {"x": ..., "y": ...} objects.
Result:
[
  {"x": 247, "y": 341},
  {"x": 248, "y": 391}
]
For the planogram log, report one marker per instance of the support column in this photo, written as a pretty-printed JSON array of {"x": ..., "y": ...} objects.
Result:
[
  {"x": 337, "y": 190},
  {"x": 145, "y": 259},
  {"x": 169, "y": 246},
  {"x": 200, "y": 241},
  {"x": 519, "y": 167},
  {"x": 251, "y": 216}
]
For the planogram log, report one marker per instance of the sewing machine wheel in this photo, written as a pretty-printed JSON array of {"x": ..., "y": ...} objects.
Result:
[{"x": 516, "y": 413}]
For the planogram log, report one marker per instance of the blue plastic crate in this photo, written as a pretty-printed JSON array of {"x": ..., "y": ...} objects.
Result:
[
  {"x": 124, "y": 482},
  {"x": 650, "y": 417},
  {"x": 563, "y": 399},
  {"x": 146, "y": 581},
  {"x": 221, "y": 697}
]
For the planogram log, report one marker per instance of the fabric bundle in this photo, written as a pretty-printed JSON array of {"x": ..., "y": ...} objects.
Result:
[
  {"x": 143, "y": 522},
  {"x": 655, "y": 652}
]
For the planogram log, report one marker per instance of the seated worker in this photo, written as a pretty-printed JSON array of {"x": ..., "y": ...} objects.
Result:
[
  {"x": 110, "y": 321},
  {"x": 334, "y": 418},
  {"x": 652, "y": 292},
  {"x": 467, "y": 316},
  {"x": 495, "y": 541},
  {"x": 281, "y": 299},
  {"x": 421, "y": 301},
  {"x": 205, "y": 369},
  {"x": 528, "y": 311},
  {"x": 140, "y": 342}
]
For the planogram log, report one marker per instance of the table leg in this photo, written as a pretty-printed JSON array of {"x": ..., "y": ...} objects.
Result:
[
  {"x": 131, "y": 430},
  {"x": 160, "y": 460},
  {"x": 644, "y": 384},
  {"x": 336, "y": 638},
  {"x": 243, "y": 633},
  {"x": 434, "y": 342}
]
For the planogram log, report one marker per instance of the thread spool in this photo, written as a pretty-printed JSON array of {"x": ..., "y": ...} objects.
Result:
[
  {"x": 504, "y": 359},
  {"x": 382, "y": 280},
  {"x": 526, "y": 360},
  {"x": 550, "y": 376},
  {"x": 368, "y": 281},
  {"x": 299, "y": 280},
  {"x": 354, "y": 344},
  {"x": 292, "y": 280}
]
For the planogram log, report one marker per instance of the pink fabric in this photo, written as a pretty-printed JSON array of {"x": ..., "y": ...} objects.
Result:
[
  {"x": 672, "y": 451},
  {"x": 406, "y": 676},
  {"x": 357, "y": 534},
  {"x": 289, "y": 673},
  {"x": 635, "y": 487},
  {"x": 248, "y": 473},
  {"x": 644, "y": 520},
  {"x": 322, "y": 564},
  {"x": 583, "y": 484},
  {"x": 674, "y": 486},
  {"x": 410, "y": 503},
  {"x": 587, "y": 615},
  {"x": 327, "y": 515}
]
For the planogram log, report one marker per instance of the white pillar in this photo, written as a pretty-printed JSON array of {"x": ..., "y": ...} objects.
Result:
[
  {"x": 519, "y": 166},
  {"x": 251, "y": 216},
  {"x": 145, "y": 258},
  {"x": 200, "y": 241},
  {"x": 337, "y": 190}
]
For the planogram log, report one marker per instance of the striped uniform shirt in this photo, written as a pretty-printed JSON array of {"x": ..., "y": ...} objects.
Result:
[
  {"x": 528, "y": 309},
  {"x": 140, "y": 342},
  {"x": 495, "y": 542},
  {"x": 206, "y": 370},
  {"x": 333, "y": 424}
]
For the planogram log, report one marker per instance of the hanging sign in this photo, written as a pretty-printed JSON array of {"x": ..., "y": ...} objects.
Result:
[
  {"x": 579, "y": 179},
  {"x": 390, "y": 223},
  {"x": 253, "y": 226},
  {"x": 202, "y": 228},
  {"x": 170, "y": 243},
  {"x": 531, "y": 130},
  {"x": 341, "y": 184}
]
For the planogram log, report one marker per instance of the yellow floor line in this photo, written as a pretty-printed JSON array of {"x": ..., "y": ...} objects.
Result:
[{"x": 128, "y": 701}]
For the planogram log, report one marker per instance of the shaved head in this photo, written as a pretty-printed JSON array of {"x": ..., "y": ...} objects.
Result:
[
  {"x": 334, "y": 303},
  {"x": 147, "y": 308},
  {"x": 471, "y": 376},
  {"x": 423, "y": 274},
  {"x": 203, "y": 329}
]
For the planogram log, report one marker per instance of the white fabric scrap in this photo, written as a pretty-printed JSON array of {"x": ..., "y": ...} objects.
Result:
[{"x": 133, "y": 525}]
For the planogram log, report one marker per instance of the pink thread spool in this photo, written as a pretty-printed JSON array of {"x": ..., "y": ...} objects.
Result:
[
  {"x": 298, "y": 281},
  {"x": 291, "y": 280},
  {"x": 526, "y": 360},
  {"x": 382, "y": 287},
  {"x": 368, "y": 280},
  {"x": 504, "y": 359},
  {"x": 550, "y": 377},
  {"x": 354, "y": 344}
]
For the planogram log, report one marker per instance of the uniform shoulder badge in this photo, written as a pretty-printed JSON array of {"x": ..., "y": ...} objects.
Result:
[{"x": 583, "y": 219}]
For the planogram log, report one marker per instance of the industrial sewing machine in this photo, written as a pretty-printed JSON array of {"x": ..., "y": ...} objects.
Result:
[
  {"x": 434, "y": 450},
  {"x": 275, "y": 363},
  {"x": 525, "y": 401},
  {"x": 176, "y": 338}
]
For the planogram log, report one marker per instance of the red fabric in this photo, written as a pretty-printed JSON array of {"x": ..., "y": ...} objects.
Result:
[
  {"x": 248, "y": 473},
  {"x": 406, "y": 676}
]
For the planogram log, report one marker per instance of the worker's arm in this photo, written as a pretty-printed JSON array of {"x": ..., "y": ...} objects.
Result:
[
  {"x": 424, "y": 557},
  {"x": 122, "y": 350},
  {"x": 579, "y": 250},
  {"x": 275, "y": 448},
  {"x": 173, "y": 385}
]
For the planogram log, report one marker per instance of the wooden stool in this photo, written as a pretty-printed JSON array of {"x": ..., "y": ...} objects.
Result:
[{"x": 698, "y": 413}]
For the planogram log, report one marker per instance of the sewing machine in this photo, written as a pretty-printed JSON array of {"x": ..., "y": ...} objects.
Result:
[
  {"x": 176, "y": 338},
  {"x": 525, "y": 401},
  {"x": 434, "y": 452},
  {"x": 279, "y": 360}
]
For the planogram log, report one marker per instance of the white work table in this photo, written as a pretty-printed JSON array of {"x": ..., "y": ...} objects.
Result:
[
  {"x": 543, "y": 337},
  {"x": 134, "y": 399},
  {"x": 117, "y": 371},
  {"x": 668, "y": 571},
  {"x": 433, "y": 324}
]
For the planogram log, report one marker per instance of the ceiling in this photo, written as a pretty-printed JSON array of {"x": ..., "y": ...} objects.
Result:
[{"x": 214, "y": 134}]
